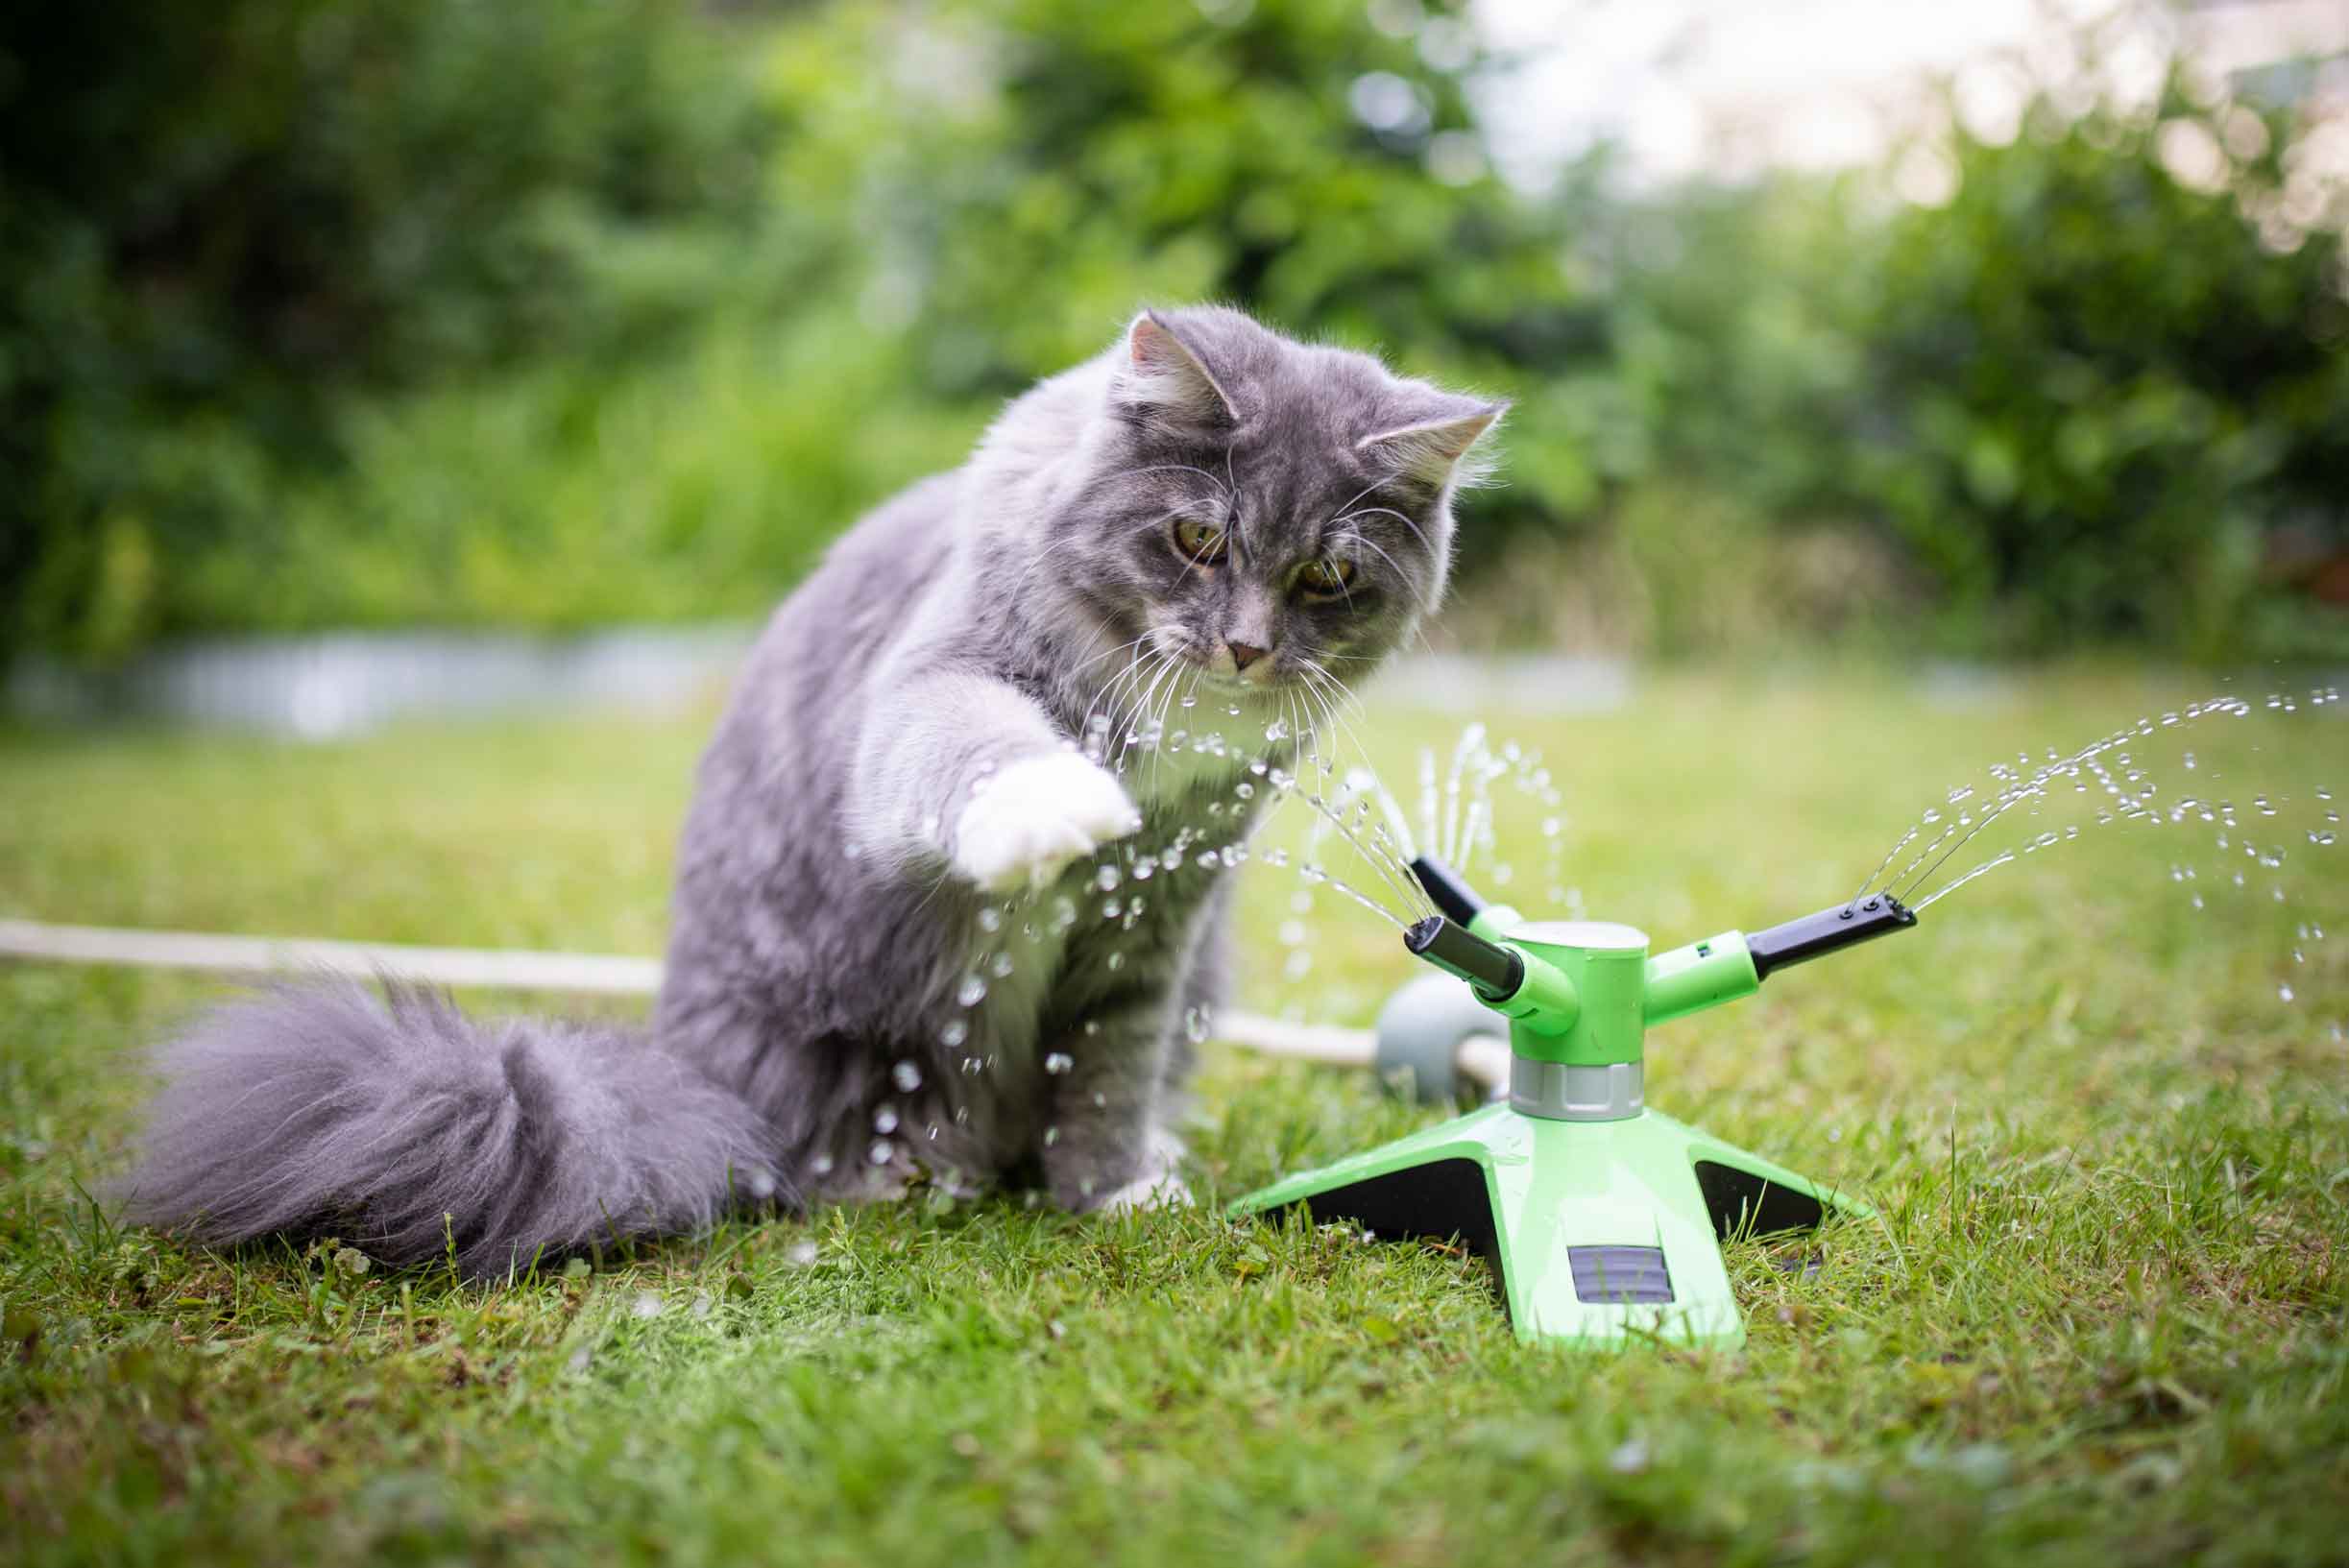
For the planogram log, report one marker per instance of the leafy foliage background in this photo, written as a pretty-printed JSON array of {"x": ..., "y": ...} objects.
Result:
[{"x": 321, "y": 312}]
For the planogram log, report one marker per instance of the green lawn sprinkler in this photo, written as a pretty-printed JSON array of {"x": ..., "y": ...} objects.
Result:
[{"x": 1603, "y": 1219}]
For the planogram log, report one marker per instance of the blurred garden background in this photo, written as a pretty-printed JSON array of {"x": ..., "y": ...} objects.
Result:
[{"x": 2003, "y": 336}]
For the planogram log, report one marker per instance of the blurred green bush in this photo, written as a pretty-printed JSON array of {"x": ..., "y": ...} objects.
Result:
[{"x": 329, "y": 311}]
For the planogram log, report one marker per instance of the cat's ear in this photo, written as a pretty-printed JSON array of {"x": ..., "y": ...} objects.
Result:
[
  {"x": 1163, "y": 374},
  {"x": 1440, "y": 447}
]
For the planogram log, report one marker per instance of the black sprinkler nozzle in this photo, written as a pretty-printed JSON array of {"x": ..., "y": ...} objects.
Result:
[
  {"x": 1814, "y": 936},
  {"x": 1495, "y": 971},
  {"x": 1446, "y": 890}
]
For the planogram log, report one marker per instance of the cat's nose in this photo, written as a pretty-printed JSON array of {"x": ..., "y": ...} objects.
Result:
[{"x": 1244, "y": 654}]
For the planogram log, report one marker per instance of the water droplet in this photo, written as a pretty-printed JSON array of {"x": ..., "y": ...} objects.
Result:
[
  {"x": 999, "y": 965},
  {"x": 821, "y": 1165},
  {"x": 2284, "y": 992},
  {"x": 1058, "y": 1062},
  {"x": 1207, "y": 859},
  {"x": 1116, "y": 962},
  {"x": 906, "y": 1075},
  {"x": 1196, "y": 1023},
  {"x": 882, "y": 1151},
  {"x": 1051, "y": 1136},
  {"x": 885, "y": 1120},
  {"x": 1276, "y": 731},
  {"x": 1111, "y": 909},
  {"x": 972, "y": 990},
  {"x": 801, "y": 1254},
  {"x": 1245, "y": 790},
  {"x": 1106, "y": 879},
  {"x": 990, "y": 918},
  {"x": 1190, "y": 701},
  {"x": 1093, "y": 1027},
  {"x": 1300, "y": 962}
]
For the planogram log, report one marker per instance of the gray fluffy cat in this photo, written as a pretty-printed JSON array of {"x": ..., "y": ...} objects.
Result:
[{"x": 1011, "y": 695}]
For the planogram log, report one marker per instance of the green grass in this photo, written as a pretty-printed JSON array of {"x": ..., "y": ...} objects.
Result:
[{"x": 2100, "y": 1318}]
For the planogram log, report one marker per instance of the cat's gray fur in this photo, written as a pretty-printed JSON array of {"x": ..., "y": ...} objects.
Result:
[{"x": 904, "y": 729}]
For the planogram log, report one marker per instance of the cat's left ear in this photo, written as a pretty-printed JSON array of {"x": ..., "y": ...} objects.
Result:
[
  {"x": 1441, "y": 446},
  {"x": 1162, "y": 372}
]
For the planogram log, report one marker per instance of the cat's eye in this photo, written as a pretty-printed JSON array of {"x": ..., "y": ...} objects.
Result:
[
  {"x": 1200, "y": 542},
  {"x": 1325, "y": 574}
]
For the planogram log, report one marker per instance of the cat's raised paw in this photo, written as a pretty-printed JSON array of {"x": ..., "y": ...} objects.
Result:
[{"x": 1035, "y": 817}]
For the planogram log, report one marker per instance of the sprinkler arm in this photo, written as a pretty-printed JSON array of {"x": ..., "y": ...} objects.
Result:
[
  {"x": 1512, "y": 981},
  {"x": 1471, "y": 940}
]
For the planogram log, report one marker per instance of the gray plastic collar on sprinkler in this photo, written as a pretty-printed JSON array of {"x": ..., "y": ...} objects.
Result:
[{"x": 1572, "y": 1092}]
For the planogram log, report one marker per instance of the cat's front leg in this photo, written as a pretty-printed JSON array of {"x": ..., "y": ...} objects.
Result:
[
  {"x": 968, "y": 769},
  {"x": 1105, "y": 1145}
]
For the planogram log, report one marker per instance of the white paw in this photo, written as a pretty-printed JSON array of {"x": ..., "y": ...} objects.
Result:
[
  {"x": 1035, "y": 817},
  {"x": 1164, "y": 1190},
  {"x": 1157, "y": 1186}
]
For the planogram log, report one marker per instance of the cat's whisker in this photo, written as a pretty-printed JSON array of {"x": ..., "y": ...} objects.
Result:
[
  {"x": 1375, "y": 511},
  {"x": 1330, "y": 723},
  {"x": 1099, "y": 657},
  {"x": 1198, "y": 672},
  {"x": 1137, "y": 695},
  {"x": 1334, "y": 691},
  {"x": 1140, "y": 719},
  {"x": 1367, "y": 542},
  {"x": 1104, "y": 700},
  {"x": 1232, "y": 487},
  {"x": 1348, "y": 509},
  {"x": 1313, "y": 670}
]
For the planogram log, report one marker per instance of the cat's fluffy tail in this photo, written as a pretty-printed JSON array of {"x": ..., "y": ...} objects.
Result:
[{"x": 406, "y": 1128}]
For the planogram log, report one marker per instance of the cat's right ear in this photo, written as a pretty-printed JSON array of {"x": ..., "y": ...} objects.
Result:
[{"x": 1162, "y": 376}]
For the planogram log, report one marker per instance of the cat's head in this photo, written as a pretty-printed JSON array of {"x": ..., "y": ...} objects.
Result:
[{"x": 1274, "y": 515}]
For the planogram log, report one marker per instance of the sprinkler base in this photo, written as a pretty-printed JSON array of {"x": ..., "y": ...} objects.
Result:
[{"x": 1600, "y": 1233}]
